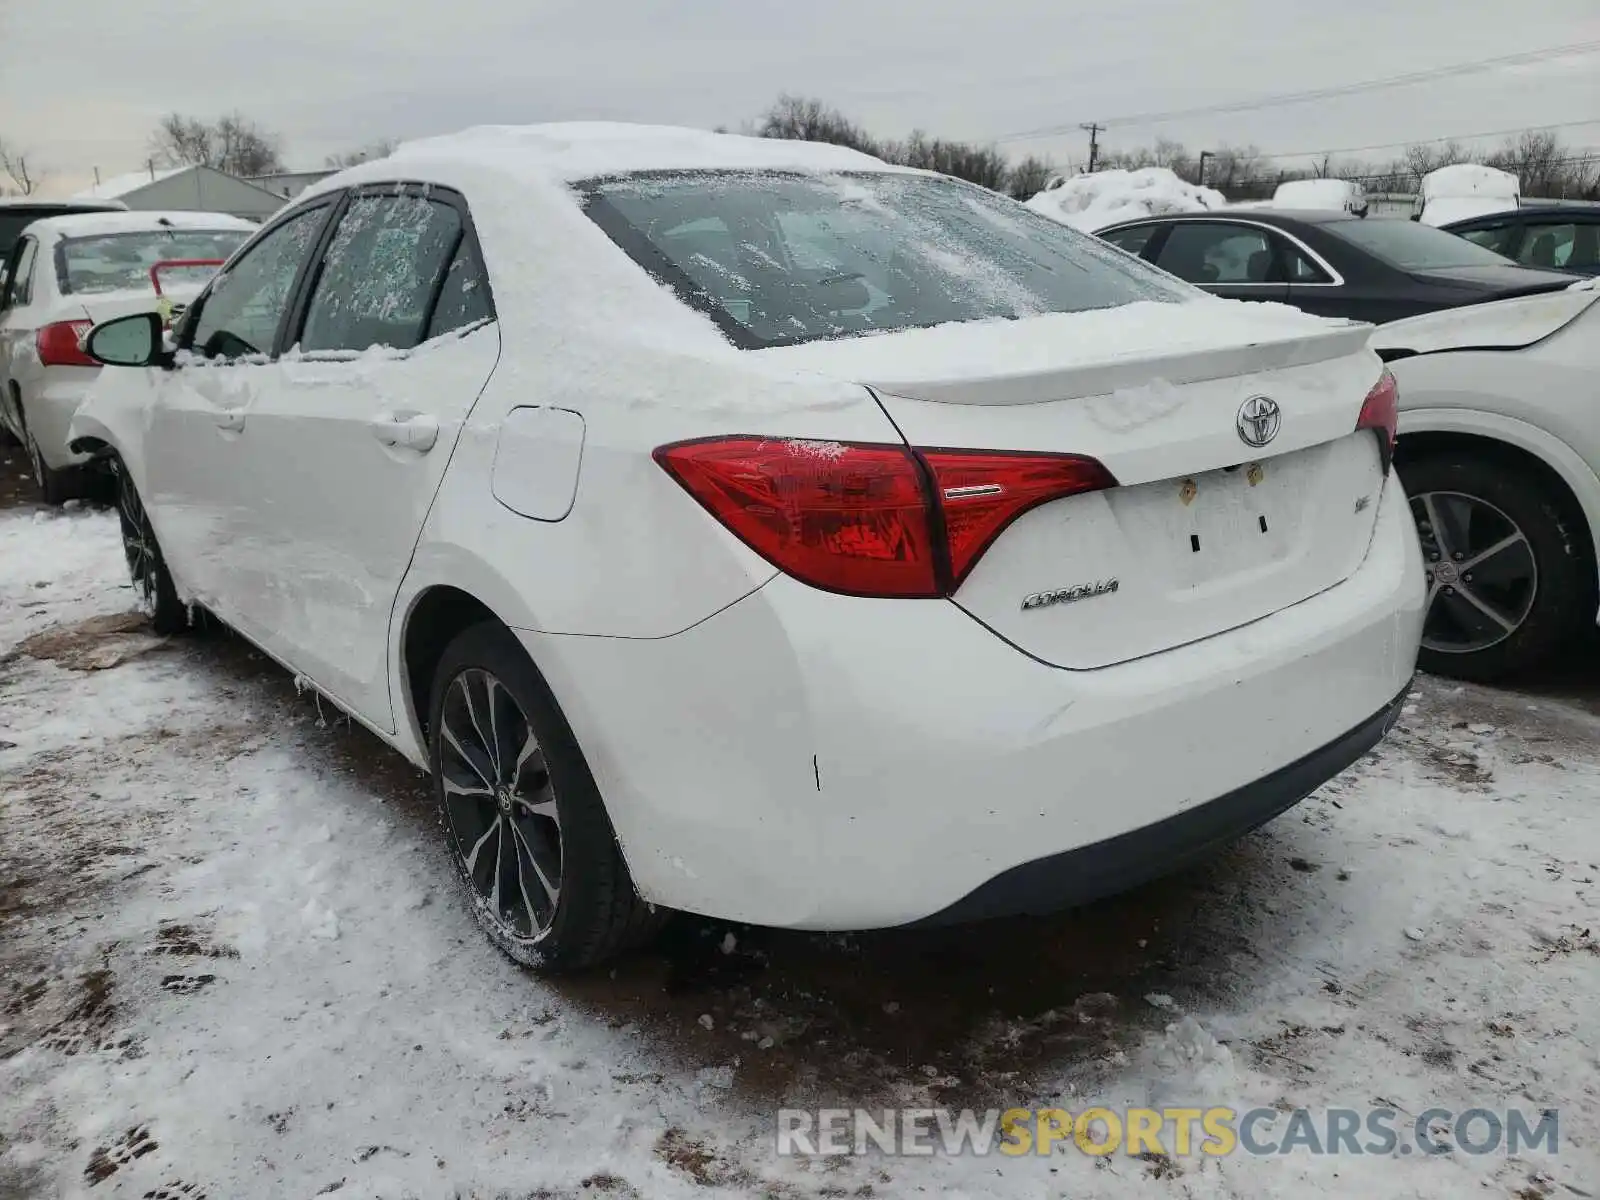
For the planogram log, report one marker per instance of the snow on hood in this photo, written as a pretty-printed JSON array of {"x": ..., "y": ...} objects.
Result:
[
  {"x": 1497, "y": 325},
  {"x": 1091, "y": 202}
]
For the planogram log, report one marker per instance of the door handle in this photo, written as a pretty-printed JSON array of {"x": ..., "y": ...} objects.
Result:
[
  {"x": 231, "y": 420},
  {"x": 417, "y": 433}
]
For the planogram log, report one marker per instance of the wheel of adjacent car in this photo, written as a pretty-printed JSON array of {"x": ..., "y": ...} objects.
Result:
[
  {"x": 151, "y": 580},
  {"x": 55, "y": 487},
  {"x": 1508, "y": 580},
  {"x": 524, "y": 820}
]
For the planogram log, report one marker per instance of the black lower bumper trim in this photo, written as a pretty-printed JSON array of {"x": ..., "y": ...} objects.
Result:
[{"x": 1074, "y": 877}]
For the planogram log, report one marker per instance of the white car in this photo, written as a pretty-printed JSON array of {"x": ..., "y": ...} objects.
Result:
[
  {"x": 754, "y": 528},
  {"x": 1499, "y": 451},
  {"x": 1339, "y": 195},
  {"x": 67, "y": 273}
]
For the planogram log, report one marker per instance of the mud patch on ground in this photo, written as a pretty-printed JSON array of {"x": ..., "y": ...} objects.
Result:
[{"x": 97, "y": 644}]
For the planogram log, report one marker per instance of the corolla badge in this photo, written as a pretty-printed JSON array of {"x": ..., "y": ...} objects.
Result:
[
  {"x": 1259, "y": 418},
  {"x": 1069, "y": 595}
]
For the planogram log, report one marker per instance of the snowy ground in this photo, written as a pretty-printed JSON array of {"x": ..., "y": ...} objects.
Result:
[{"x": 232, "y": 965}]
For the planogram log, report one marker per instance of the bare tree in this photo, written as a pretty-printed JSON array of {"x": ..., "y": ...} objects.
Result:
[
  {"x": 25, "y": 179},
  {"x": 809, "y": 120},
  {"x": 381, "y": 148},
  {"x": 1028, "y": 177},
  {"x": 231, "y": 143}
]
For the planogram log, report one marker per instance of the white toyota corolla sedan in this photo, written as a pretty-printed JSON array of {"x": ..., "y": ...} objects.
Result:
[{"x": 753, "y": 528}]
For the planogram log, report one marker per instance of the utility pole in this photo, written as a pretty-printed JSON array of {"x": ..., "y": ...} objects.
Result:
[
  {"x": 1200, "y": 174},
  {"x": 1094, "y": 131}
]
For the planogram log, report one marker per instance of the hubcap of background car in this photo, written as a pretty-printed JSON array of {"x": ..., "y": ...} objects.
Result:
[
  {"x": 136, "y": 544},
  {"x": 500, "y": 804},
  {"x": 1482, "y": 576}
]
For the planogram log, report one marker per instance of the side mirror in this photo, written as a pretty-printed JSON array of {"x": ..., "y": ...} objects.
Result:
[{"x": 132, "y": 341}]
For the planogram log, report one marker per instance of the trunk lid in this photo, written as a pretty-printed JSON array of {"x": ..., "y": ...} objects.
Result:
[{"x": 1205, "y": 532}]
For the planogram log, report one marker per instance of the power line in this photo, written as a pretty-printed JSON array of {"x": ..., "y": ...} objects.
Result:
[
  {"x": 1454, "y": 137},
  {"x": 1347, "y": 89}
]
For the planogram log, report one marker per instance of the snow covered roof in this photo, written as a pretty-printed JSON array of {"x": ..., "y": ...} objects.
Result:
[
  {"x": 122, "y": 185},
  {"x": 1471, "y": 179},
  {"x": 1091, "y": 202},
  {"x": 577, "y": 150},
  {"x": 96, "y": 224},
  {"x": 1339, "y": 195}
]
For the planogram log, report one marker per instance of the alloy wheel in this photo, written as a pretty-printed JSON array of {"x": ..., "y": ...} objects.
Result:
[
  {"x": 500, "y": 805},
  {"x": 1482, "y": 574},
  {"x": 137, "y": 544}
]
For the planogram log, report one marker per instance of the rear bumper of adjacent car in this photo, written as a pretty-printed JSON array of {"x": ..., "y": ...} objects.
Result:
[
  {"x": 816, "y": 761},
  {"x": 49, "y": 407}
]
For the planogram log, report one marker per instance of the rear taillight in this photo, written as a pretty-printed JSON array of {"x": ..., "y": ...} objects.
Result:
[
  {"x": 61, "y": 344},
  {"x": 871, "y": 519},
  {"x": 1381, "y": 413}
]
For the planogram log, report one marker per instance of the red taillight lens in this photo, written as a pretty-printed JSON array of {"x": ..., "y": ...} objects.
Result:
[
  {"x": 860, "y": 519},
  {"x": 981, "y": 492},
  {"x": 61, "y": 344},
  {"x": 1381, "y": 414}
]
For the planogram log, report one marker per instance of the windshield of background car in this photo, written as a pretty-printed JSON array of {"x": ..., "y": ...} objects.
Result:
[
  {"x": 1412, "y": 246},
  {"x": 117, "y": 262},
  {"x": 776, "y": 259}
]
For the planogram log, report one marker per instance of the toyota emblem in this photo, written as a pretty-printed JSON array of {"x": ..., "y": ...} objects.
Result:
[{"x": 1259, "y": 418}]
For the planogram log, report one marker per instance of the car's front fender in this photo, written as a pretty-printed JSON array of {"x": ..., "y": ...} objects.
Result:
[{"x": 114, "y": 417}]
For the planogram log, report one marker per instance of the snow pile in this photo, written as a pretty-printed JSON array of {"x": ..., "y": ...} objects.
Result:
[
  {"x": 1338, "y": 195},
  {"x": 1091, "y": 202},
  {"x": 1464, "y": 190}
]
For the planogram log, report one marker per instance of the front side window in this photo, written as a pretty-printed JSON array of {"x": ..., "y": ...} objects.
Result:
[
  {"x": 119, "y": 262},
  {"x": 1207, "y": 252},
  {"x": 1132, "y": 240},
  {"x": 380, "y": 273},
  {"x": 1496, "y": 237},
  {"x": 1569, "y": 245},
  {"x": 1411, "y": 245},
  {"x": 240, "y": 314},
  {"x": 777, "y": 258}
]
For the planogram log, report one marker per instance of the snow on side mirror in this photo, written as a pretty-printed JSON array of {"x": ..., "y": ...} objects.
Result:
[{"x": 132, "y": 341}]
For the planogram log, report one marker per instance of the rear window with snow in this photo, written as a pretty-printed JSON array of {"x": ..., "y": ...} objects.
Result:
[
  {"x": 776, "y": 259},
  {"x": 118, "y": 262}
]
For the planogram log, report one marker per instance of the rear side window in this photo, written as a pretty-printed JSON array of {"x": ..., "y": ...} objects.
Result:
[
  {"x": 1203, "y": 252},
  {"x": 464, "y": 299},
  {"x": 382, "y": 269},
  {"x": 240, "y": 314},
  {"x": 777, "y": 258}
]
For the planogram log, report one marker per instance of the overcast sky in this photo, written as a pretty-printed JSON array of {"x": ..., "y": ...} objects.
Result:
[{"x": 82, "y": 82}]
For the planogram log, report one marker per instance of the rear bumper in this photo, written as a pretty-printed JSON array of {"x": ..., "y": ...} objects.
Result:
[
  {"x": 1087, "y": 873},
  {"x": 816, "y": 761},
  {"x": 49, "y": 408}
]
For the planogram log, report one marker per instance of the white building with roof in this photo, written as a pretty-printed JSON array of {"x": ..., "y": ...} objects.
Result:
[{"x": 187, "y": 189}]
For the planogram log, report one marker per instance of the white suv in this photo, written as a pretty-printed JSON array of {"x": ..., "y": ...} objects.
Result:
[{"x": 754, "y": 528}]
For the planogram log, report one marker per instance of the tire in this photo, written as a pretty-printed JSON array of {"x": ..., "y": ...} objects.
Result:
[
  {"x": 538, "y": 779},
  {"x": 55, "y": 487},
  {"x": 152, "y": 582},
  {"x": 1526, "y": 599}
]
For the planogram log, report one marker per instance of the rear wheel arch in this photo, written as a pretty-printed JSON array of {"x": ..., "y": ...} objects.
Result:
[
  {"x": 1414, "y": 447},
  {"x": 437, "y": 615}
]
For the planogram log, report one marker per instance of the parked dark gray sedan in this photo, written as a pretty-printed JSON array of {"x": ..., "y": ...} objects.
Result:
[{"x": 1329, "y": 263}]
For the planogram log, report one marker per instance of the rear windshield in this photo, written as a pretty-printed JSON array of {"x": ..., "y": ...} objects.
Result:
[
  {"x": 776, "y": 259},
  {"x": 117, "y": 262},
  {"x": 1412, "y": 246}
]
